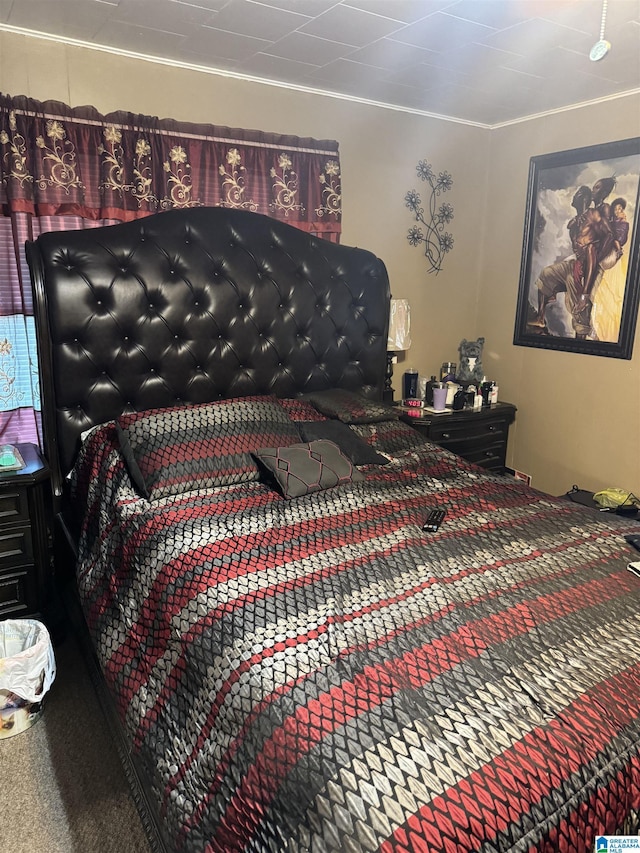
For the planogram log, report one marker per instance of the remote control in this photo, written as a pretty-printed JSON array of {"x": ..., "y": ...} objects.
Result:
[
  {"x": 434, "y": 520},
  {"x": 633, "y": 539}
]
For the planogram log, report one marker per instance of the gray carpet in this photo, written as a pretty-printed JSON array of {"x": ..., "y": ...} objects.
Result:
[{"x": 62, "y": 788}]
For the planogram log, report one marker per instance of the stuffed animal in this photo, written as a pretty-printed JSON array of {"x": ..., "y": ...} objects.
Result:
[{"x": 470, "y": 369}]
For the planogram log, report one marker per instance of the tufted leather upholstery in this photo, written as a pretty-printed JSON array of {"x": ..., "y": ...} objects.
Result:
[{"x": 195, "y": 305}]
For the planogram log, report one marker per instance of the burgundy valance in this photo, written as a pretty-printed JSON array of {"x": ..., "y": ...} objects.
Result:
[{"x": 59, "y": 160}]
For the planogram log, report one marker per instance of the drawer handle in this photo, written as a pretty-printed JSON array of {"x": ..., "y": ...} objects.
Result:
[
  {"x": 492, "y": 427},
  {"x": 446, "y": 435}
]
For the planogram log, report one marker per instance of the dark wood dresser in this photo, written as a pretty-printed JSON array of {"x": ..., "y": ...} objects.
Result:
[
  {"x": 479, "y": 437},
  {"x": 25, "y": 528}
]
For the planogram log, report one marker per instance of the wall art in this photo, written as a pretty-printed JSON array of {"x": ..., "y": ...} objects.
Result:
[
  {"x": 579, "y": 275},
  {"x": 437, "y": 241}
]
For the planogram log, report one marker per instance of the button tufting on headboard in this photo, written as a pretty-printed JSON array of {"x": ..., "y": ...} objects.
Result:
[{"x": 196, "y": 305}]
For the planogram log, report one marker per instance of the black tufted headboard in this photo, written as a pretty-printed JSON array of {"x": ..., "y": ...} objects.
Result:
[{"x": 195, "y": 305}]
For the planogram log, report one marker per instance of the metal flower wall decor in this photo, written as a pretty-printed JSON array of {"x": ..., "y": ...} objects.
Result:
[{"x": 437, "y": 241}]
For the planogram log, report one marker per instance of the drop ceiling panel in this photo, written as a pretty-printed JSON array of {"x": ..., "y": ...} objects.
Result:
[
  {"x": 208, "y": 40},
  {"x": 441, "y": 29},
  {"x": 257, "y": 20},
  {"x": 137, "y": 38},
  {"x": 403, "y": 11},
  {"x": 391, "y": 54},
  {"x": 350, "y": 26},
  {"x": 306, "y": 48}
]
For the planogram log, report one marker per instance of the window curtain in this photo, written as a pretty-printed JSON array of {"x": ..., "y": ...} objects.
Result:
[{"x": 64, "y": 167}]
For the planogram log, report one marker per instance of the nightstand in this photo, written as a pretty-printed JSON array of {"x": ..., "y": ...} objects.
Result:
[
  {"x": 25, "y": 564},
  {"x": 479, "y": 437}
]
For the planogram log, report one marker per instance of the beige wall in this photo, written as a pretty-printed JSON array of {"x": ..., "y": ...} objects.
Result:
[{"x": 558, "y": 437}]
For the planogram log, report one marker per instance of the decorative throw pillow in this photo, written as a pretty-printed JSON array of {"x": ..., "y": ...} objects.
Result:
[
  {"x": 351, "y": 408},
  {"x": 358, "y": 451},
  {"x": 300, "y": 410},
  {"x": 305, "y": 468},
  {"x": 175, "y": 450}
]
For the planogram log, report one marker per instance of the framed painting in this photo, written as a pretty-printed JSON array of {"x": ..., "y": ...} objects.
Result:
[{"x": 579, "y": 275}]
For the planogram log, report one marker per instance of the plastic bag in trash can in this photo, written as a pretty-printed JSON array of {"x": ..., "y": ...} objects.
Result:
[{"x": 27, "y": 671}]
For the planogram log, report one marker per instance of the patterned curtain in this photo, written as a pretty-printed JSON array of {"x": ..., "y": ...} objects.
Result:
[{"x": 63, "y": 167}]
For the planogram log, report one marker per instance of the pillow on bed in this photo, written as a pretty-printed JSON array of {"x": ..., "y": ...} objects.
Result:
[
  {"x": 305, "y": 468},
  {"x": 351, "y": 408},
  {"x": 175, "y": 450},
  {"x": 358, "y": 451},
  {"x": 300, "y": 410}
]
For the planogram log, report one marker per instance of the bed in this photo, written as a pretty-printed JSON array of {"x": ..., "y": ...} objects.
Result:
[{"x": 293, "y": 663}]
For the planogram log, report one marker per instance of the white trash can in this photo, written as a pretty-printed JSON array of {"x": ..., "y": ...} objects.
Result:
[{"x": 27, "y": 671}]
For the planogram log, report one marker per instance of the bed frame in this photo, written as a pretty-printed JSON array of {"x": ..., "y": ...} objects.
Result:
[{"x": 192, "y": 305}]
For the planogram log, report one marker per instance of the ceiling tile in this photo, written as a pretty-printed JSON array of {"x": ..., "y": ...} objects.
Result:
[
  {"x": 171, "y": 17},
  {"x": 526, "y": 37},
  {"x": 351, "y": 26},
  {"x": 430, "y": 76},
  {"x": 258, "y": 20},
  {"x": 201, "y": 61},
  {"x": 623, "y": 69},
  {"x": 592, "y": 86},
  {"x": 492, "y": 13},
  {"x": 139, "y": 39},
  {"x": 441, "y": 32},
  {"x": 391, "y": 54},
  {"x": 277, "y": 68},
  {"x": 63, "y": 17},
  {"x": 310, "y": 8},
  {"x": 207, "y": 41},
  {"x": 5, "y": 9},
  {"x": 207, "y": 5},
  {"x": 306, "y": 48},
  {"x": 389, "y": 93},
  {"x": 497, "y": 82},
  {"x": 473, "y": 58},
  {"x": 550, "y": 64},
  {"x": 449, "y": 100},
  {"x": 405, "y": 11},
  {"x": 342, "y": 70},
  {"x": 584, "y": 15}
]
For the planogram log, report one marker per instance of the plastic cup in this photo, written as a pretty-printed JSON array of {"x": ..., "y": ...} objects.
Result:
[{"x": 440, "y": 399}]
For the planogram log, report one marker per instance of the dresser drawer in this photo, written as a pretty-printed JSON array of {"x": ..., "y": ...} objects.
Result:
[
  {"x": 14, "y": 506},
  {"x": 17, "y": 591},
  {"x": 492, "y": 457},
  {"x": 16, "y": 546},
  {"x": 482, "y": 431}
]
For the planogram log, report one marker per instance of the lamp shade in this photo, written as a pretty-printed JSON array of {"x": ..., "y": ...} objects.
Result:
[{"x": 399, "y": 326}]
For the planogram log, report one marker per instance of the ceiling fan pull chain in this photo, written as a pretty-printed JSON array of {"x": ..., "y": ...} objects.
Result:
[
  {"x": 602, "y": 47},
  {"x": 603, "y": 22}
]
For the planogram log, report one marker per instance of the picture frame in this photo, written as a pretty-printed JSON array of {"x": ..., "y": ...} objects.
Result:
[{"x": 579, "y": 283}]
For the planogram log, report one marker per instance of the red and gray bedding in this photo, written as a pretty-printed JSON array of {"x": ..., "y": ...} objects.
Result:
[{"x": 319, "y": 674}]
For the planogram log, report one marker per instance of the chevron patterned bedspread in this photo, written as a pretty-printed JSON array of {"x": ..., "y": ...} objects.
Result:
[{"x": 320, "y": 675}]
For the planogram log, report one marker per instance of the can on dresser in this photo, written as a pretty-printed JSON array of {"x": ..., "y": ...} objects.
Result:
[
  {"x": 448, "y": 371},
  {"x": 410, "y": 384}
]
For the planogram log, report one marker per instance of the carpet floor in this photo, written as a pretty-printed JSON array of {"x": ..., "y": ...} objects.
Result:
[{"x": 62, "y": 788}]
